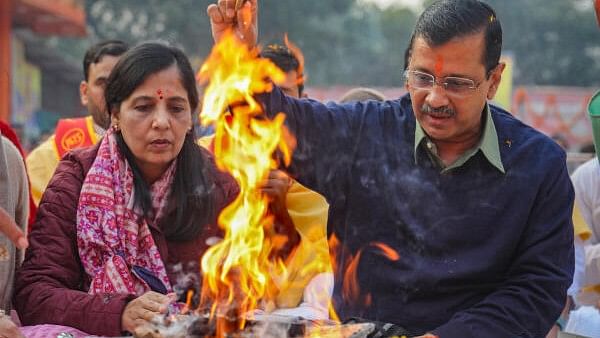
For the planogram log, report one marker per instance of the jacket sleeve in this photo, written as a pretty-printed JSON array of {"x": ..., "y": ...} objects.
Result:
[
  {"x": 326, "y": 138},
  {"x": 535, "y": 287},
  {"x": 51, "y": 286}
]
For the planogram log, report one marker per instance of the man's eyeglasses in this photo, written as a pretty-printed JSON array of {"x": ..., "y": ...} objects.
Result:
[{"x": 457, "y": 86}]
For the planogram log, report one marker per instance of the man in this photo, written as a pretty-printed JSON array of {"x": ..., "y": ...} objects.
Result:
[
  {"x": 290, "y": 64},
  {"x": 456, "y": 216},
  {"x": 98, "y": 62},
  {"x": 14, "y": 197}
]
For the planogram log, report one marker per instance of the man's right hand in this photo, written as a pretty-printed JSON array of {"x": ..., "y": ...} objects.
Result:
[
  {"x": 142, "y": 310},
  {"x": 243, "y": 22}
]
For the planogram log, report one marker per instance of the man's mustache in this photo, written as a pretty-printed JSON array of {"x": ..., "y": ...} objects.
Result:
[{"x": 444, "y": 111}]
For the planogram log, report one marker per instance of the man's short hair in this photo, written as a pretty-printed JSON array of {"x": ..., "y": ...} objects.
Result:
[
  {"x": 95, "y": 53},
  {"x": 285, "y": 60},
  {"x": 448, "y": 19}
]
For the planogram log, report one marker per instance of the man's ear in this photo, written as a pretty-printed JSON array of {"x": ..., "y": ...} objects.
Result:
[
  {"x": 495, "y": 77},
  {"x": 83, "y": 93}
]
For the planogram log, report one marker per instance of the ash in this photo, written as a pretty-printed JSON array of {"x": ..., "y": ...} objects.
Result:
[{"x": 263, "y": 326}]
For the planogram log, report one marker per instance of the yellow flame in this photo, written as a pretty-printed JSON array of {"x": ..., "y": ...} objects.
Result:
[{"x": 236, "y": 271}]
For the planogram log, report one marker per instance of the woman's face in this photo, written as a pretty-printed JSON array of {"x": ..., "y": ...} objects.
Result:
[{"x": 154, "y": 120}]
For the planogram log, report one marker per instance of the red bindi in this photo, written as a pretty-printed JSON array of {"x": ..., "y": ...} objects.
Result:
[
  {"x": 439, "y": 65},
  {"x": 159, "y": 93}
]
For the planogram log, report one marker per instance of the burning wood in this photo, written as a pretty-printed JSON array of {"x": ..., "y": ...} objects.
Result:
[{"x": 203, "y": 325}]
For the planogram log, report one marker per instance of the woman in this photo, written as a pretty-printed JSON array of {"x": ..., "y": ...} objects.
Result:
[{"x": 117, "y": 217}]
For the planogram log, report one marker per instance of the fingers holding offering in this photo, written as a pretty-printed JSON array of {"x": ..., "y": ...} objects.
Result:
[
  {"x": 238, "y": 16},
  {"x": 144, "y": 309}
]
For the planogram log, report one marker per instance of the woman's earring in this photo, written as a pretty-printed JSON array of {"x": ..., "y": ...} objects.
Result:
[{"x": 115, "y": 126}]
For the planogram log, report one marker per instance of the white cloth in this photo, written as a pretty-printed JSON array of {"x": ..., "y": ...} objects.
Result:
[
  {"x": 579, "y": 274},
  {"x": 586, "y": 181},
  {"x": 315, "y": 303},
  {"x": 584, "y": 321}
]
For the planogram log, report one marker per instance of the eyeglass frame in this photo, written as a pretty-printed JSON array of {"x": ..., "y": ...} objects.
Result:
[{"x": 444, "y": 84}]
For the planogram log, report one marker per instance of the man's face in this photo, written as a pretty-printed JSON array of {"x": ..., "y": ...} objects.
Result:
[
  {"x": 91, "y": 91},
  {"x": 290, "y": 85},
  {"x": 444, "y": 115}
]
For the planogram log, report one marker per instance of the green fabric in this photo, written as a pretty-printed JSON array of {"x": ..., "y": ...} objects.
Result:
[{"x": 488, "y": 146}]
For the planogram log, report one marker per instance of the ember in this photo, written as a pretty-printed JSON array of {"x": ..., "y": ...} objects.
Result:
[{"x": 264, "y": 326}]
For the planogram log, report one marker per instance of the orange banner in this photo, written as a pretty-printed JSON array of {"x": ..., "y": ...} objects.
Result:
[{"x": 74, "y": 133}]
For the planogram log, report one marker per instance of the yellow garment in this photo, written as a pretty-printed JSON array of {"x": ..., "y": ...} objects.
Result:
[
  {"x": 308, "y": 211},
  {"x": 42, "y": 162},
  {"x": 581, "y": 228}
]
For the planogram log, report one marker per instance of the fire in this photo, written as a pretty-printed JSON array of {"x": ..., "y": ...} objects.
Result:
[
  {"x": 387, "y": 252},
  {"x": 297, "y": 52},
  {"x": 236, "y": 271},
  {"x": 346, "y": 269}
]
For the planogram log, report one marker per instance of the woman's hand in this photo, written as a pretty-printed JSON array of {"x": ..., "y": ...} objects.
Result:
[
  {"x": 242, "y": 21},
  {"x": 142, "y": 310},
  {"x": 8, "y": 329}
]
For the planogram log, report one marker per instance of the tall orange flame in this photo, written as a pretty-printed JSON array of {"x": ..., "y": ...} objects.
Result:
[{"x": 236, "y": 271}]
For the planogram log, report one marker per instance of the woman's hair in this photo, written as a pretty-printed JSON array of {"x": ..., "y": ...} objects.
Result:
[{"x": 192, "y": 184}]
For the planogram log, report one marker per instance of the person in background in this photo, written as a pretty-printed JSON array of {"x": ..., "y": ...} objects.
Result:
[
  {"x": 455, "y": 217},
  {"x": 290, "y": 64},
  {"x": 10, "y": 134},
  {"x": 118, "y": 217},
  {"x": 14, "y": 211},
  {"x": 297, "y": 207},
  {"x": 582, "y": 234},
  {"x": 362, "y": 94},
  {"x": 586, "y": 180},
  {"x": 75, "y": 133}
]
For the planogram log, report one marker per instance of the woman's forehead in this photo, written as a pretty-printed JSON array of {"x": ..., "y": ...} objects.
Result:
[{"x": 164, "y": 83}]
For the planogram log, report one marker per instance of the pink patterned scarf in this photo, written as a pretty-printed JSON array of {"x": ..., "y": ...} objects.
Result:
[{"x": 112, "y": 235}]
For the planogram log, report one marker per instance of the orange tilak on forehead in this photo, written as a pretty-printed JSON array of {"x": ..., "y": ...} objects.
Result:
[{"x": 439, "y": 65}]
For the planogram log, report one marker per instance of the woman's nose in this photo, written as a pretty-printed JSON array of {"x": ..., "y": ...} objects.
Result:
[{"x": 161, "y": 118}]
